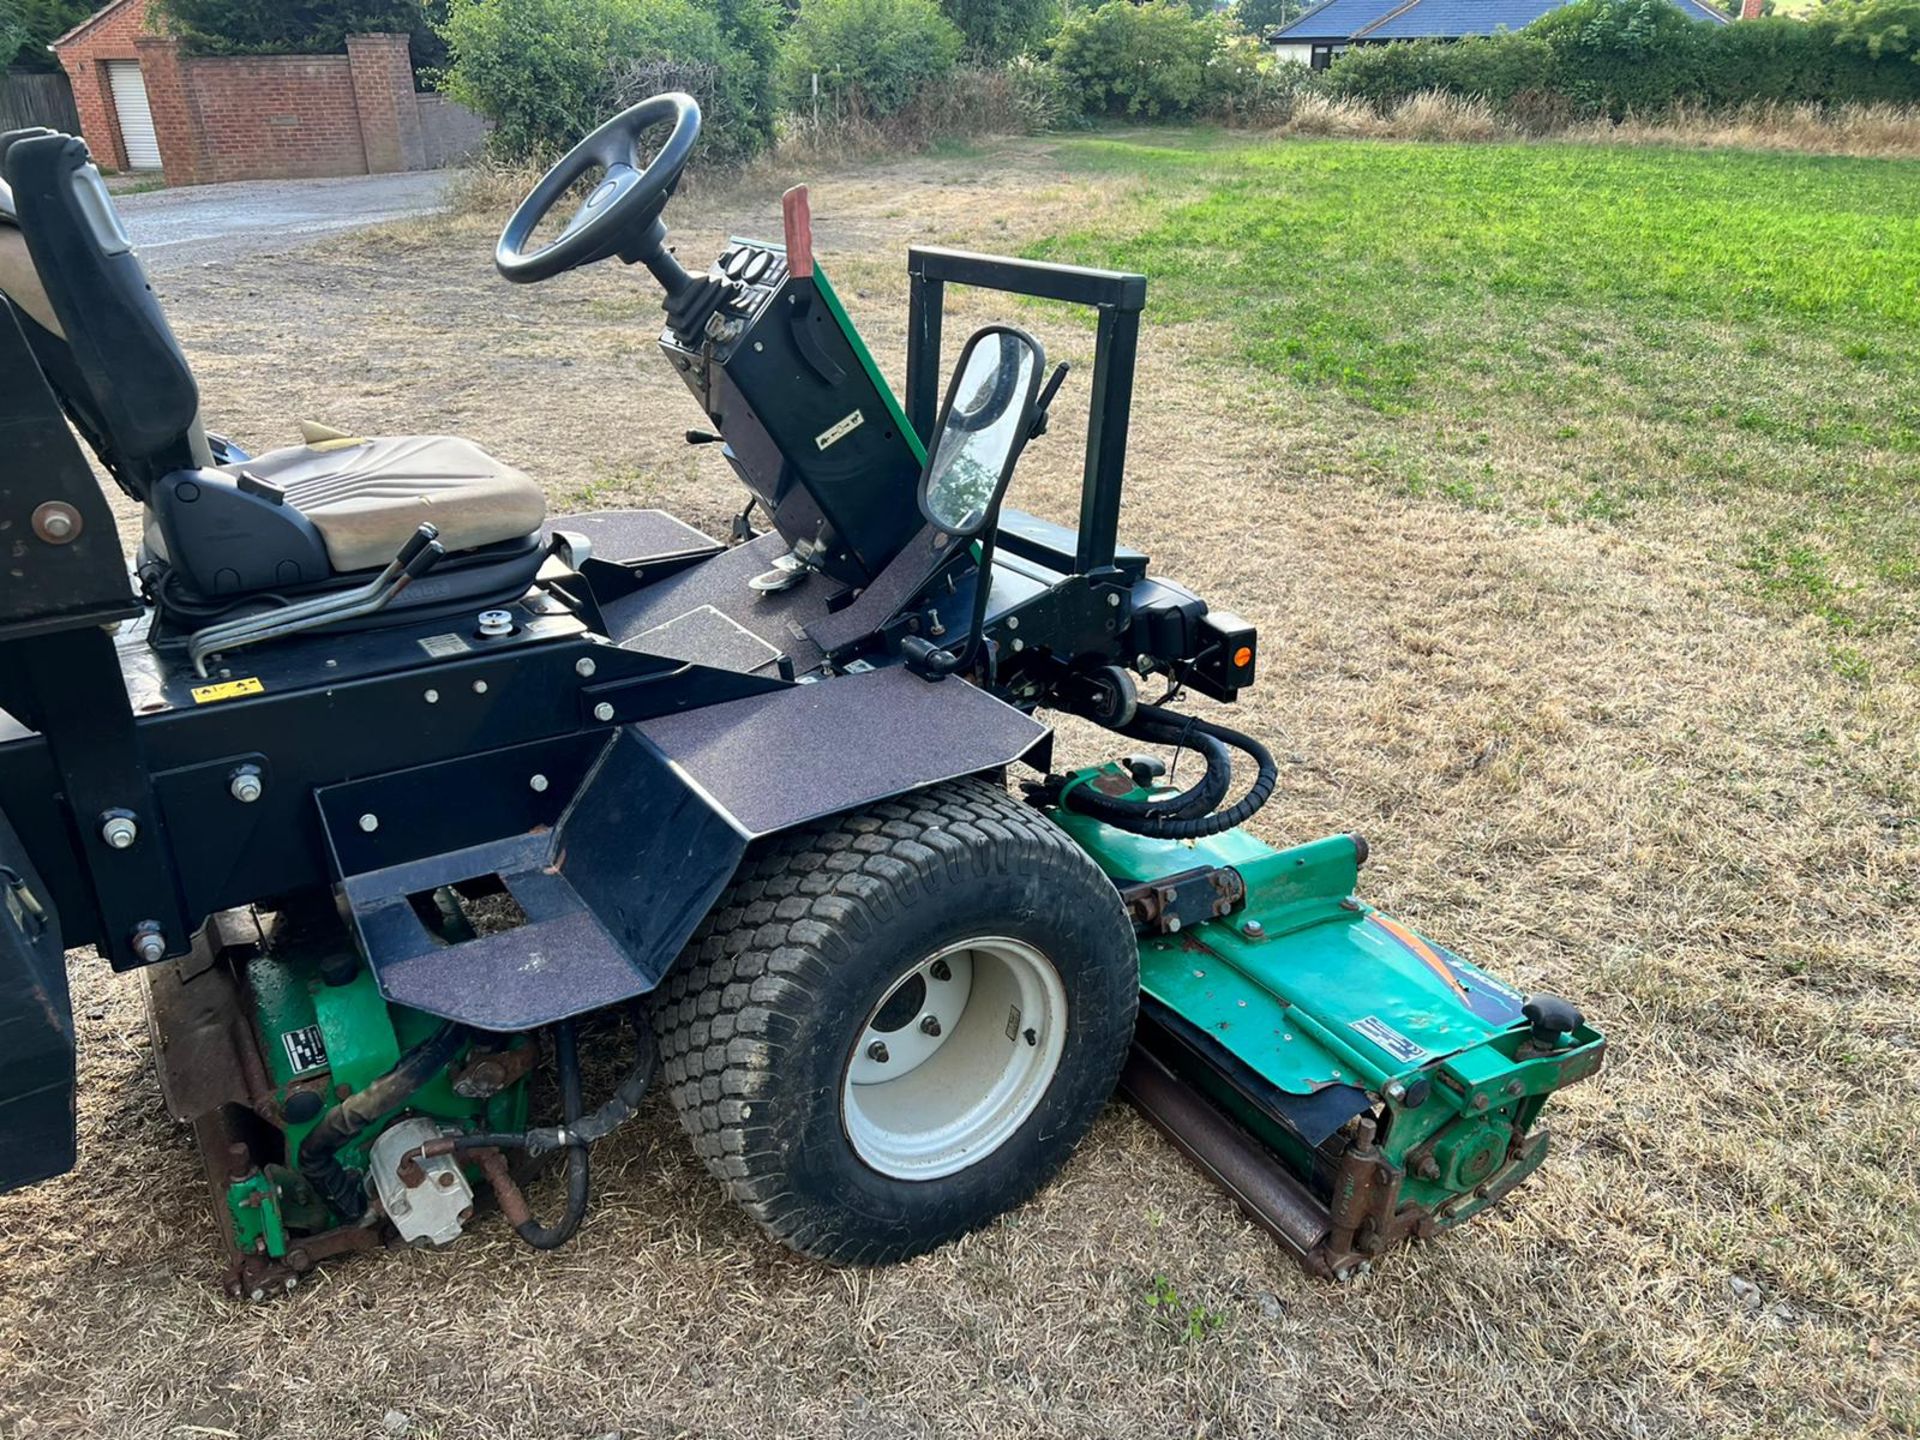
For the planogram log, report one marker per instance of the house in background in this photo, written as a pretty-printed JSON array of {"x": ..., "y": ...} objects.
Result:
[{"x": 1327, "y": 30}]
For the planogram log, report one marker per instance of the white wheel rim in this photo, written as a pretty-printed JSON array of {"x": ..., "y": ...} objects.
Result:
[{"x": 954, "y": 1058}]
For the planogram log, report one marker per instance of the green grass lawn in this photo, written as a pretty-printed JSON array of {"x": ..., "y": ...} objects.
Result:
[{"x": 1566, "y": 333}]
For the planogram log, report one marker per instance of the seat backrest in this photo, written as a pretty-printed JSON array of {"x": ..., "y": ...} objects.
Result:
[{"x": 137, "y": 388}]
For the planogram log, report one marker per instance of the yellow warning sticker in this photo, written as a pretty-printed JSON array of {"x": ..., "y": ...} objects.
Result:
[{"x": 226, "y": 690}]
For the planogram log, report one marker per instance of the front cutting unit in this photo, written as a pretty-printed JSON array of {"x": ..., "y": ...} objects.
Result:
[{"x": 404, "y": 797}]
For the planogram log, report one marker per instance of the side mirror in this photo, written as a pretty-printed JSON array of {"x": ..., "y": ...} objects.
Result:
[{"x": 986, "y": 422}]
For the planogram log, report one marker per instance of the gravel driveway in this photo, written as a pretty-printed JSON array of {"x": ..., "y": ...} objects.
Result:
[{"x": 198, "y": 224}]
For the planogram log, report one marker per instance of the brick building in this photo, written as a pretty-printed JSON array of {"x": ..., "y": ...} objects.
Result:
[{"x": 146, "y": 106}]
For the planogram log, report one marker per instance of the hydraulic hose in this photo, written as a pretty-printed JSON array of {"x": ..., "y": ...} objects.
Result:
[
  {"x": 1193, "y": 813},
  {"x": 345, "y": 1190},
  {"x": 540, "y": 1140},
  {"x": 566, "y": 1052}
]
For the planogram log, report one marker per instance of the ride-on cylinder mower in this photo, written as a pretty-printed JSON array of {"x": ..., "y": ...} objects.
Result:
[{"x": 396, "y": 790}]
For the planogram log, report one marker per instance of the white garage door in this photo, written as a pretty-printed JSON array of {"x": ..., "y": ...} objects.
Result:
[{"x": 136, "y": 116}]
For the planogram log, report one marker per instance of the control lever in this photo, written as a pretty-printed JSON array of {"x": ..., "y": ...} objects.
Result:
[{"x": 419, "y": 555}]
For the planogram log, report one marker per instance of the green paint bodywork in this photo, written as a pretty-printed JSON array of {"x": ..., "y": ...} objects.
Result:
[
  {"x": 1321, "y": 989},
  {"x": 361, "y": 1038},
  {"x": 894, "y": 412}
]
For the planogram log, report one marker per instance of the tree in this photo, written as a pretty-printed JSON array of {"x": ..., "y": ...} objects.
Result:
[
  {"x": 27, "y": 26},
  {"x": 1257, "y": 17},
  {"x": 996, "y": 30},
  {"x": 255, "y": 27},
  {"x": 872, "y": 56},
  {"x": 1882, "y": 29}
]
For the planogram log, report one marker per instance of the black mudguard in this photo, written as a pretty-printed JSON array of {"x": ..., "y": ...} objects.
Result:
[{"x": 37, "y": 1133}]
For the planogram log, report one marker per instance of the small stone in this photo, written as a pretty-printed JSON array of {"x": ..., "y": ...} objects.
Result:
[
  {"x": 1270, "y": 1305},
  {"x": 1745, "y": 1291},
  {"x": 395, "y": 1423}
]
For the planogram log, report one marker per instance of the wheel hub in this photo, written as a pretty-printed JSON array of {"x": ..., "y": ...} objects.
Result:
[{"x": 954, "y": 1058}]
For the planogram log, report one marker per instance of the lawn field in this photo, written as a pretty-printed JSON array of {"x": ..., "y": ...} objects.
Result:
[{"x": 1572, "y": 490}]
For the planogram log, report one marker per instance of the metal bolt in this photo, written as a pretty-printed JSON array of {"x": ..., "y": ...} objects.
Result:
[
  {"x": 1113, "y": 599},
  {"x": 369, "y": 822},
  {"x": 56, "y": 522},
  {"x": 433, "y": 697},
  {"x": 149, "y": 945},
  {"x": 584, "y": 667},
  {"x": 446, "y": 1180},
  {"x": 1018, "y": 644},
  {"x": 538, "y": 784},
  {"x": 1480, "y": 1102},
  {"x": 1396, "y": 1091},
  {"x": 1253, "y": 930},
  {"x": 494, "y": 623},
  {"x": 119, "y": 831},
  {"x": 1173, "y": 924},
  {"x": 1013, "y": 622},
  {"x": 603, "y": 711},
  {"x": 877, "y": 1052},
  {"x": 1516, "y": 1089},
  {"x": 479, "y": 687},
  {"x": 930, "y": 1025},
  {"x": 246, "y": 786},
  {"x": 941, "y": 970}
]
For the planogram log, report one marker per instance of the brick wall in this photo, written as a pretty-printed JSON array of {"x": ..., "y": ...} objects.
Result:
[
  {"x": 256, "y": 117},
  {"x": 264, "y": 117}
]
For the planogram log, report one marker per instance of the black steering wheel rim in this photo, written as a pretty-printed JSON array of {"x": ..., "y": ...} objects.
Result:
[{"x": 622, "y": 209}]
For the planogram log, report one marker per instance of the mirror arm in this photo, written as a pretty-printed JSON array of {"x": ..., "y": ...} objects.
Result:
[{"x": 1045, "y": 403}]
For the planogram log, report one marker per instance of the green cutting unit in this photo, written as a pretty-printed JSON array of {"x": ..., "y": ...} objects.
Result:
[{"x": 399, "y": 793}]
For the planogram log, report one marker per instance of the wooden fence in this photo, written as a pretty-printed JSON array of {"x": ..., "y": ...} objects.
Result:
[{"x": 34, "y": 97}]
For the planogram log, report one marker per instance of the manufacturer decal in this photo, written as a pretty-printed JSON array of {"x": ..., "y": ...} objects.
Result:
[
  {"x": 441, "y": 646},
  {"x": 839, "y": 430},
  {"x": 1390, "y": 1039},
  {"x": 306, "y": 1051},
  {"x": 226, "y": 690}
]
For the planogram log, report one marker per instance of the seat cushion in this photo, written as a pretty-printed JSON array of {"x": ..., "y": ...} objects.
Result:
[{"x": 365, "y": 497}]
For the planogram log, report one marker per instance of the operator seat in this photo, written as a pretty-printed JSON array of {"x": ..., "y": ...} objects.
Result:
[{"x": 307, "y": 516}]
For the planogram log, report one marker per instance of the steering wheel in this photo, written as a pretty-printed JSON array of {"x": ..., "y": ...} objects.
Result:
[{"x": 622, "y": 215}]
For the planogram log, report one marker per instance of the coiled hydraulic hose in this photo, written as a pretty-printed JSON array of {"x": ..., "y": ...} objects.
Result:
[
  {"x": 566, "y": 1053},
  {"x": 1192, "y": 813},
  {"x": 346, "y": 1190}
]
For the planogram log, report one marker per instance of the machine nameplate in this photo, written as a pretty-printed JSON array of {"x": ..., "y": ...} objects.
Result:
[
  {"x": 441, "y": 646},
  {"x": 305, "y": 1048},
  {"x": 840, "y": 429},
  {"x": 1390, "y": 1039},
  {"x": 227, "y": 690}
]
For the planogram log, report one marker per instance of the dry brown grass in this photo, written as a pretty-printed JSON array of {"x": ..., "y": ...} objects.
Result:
[
  {"x": 1882, "y": 131},
  {"x": 1586, "y": 754}
]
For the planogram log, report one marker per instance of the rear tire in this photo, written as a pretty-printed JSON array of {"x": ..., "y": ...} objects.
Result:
[{"x": 835, "y": 936}]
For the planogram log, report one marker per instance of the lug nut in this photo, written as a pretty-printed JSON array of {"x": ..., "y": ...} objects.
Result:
[
  {"x": 119, "y": 831},
  {"x": 877, "y": 1052},
  {"x": 246, "y": 785},
  {"x": 941, "y": 970},
  {"x": 930, "y": 1025}
]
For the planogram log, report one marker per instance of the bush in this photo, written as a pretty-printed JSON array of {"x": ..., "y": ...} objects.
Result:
[
  {"x": 872, "y": 56},
  {"x": 1155, "y": 60},
  {"x": 996, "y": 30},
  {"x": 548, "y": 71},
  {"x": 1611, "y": 57}
]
